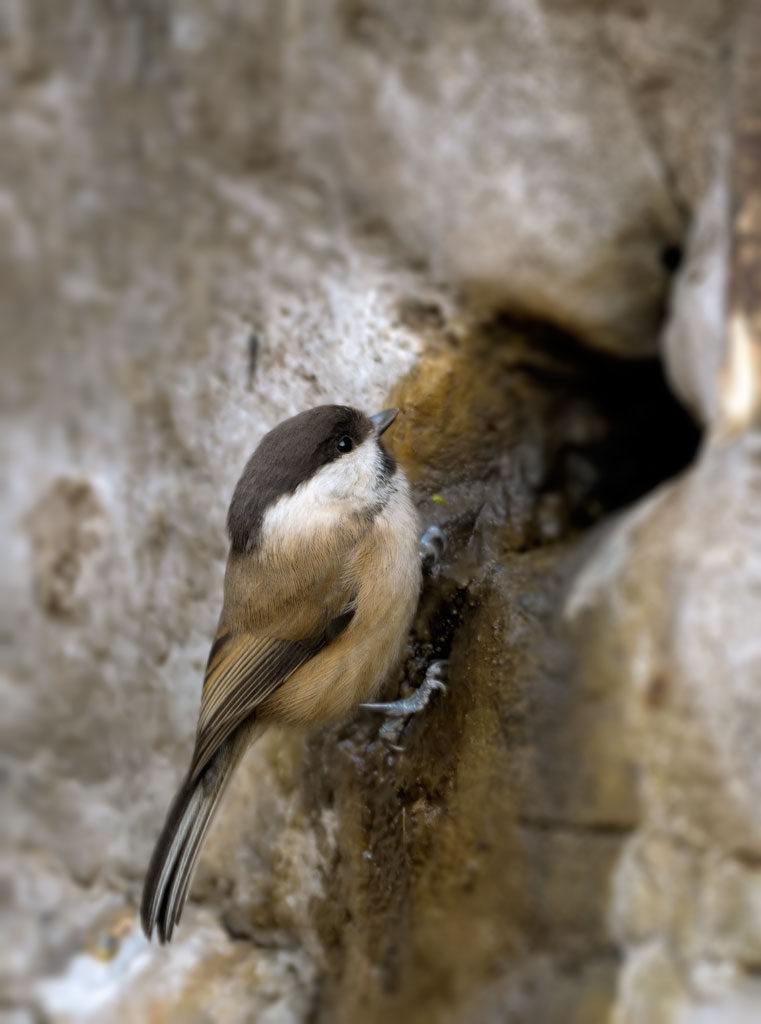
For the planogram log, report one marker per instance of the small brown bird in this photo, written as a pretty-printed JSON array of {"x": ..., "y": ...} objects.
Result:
[{"x": 322, "y": 581}]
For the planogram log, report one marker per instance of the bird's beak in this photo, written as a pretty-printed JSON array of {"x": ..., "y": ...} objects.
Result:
[{"x": 383, "y": 420}]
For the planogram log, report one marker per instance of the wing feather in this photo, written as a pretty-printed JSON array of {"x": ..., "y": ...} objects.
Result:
[
  {"x": 255, "y": 667},
  {"x": 243, "y": 670}
]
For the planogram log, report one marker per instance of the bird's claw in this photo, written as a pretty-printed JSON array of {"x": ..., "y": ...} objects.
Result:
[
  {"x": 390, "y": 732},
  {"x": 432, "y": 546}
]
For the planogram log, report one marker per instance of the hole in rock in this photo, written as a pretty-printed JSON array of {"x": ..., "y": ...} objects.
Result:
[
  {"x": 671, "y": 258},
  {"x": 519, "y": 436}
]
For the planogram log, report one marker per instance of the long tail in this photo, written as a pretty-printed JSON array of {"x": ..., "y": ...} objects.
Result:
[{"x": 176, "y": 852}]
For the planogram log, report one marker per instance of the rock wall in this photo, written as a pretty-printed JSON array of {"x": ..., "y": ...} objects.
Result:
[{"x": 215, "y": 214}]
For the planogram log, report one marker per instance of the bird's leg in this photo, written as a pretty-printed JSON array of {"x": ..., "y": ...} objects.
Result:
[
  {"x": 432, "y": 546},
  {"x": 396, "y": 710}
]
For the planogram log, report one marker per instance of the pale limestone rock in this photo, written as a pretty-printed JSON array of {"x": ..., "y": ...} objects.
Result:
[
  {"x": 676, "y": 589},
  {"x": 649, "y": 989},
  {"x": 204, "y": 976},
  {"x": 731, "y": 913},
  {"x": 563, "y": 216}
]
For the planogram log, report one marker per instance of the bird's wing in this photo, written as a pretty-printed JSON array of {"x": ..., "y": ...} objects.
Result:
[{"x": 242, "y": 671}]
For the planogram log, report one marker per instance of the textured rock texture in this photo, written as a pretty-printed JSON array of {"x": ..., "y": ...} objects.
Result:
[{"x": 214, "y": 214}]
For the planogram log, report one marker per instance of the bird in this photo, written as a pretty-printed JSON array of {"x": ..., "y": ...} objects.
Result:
[{"x": 322, "y": 581}]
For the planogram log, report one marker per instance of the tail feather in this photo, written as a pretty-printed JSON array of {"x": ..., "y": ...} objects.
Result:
[{"x": 176, "y": 852}]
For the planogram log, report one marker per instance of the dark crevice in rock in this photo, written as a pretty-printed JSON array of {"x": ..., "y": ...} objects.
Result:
[
  {"x": 526, "y": 437},
  {"x": 750, "y": 859},
  {"x": 671, "y": 258},
  {"x": 641, "y": 434},
  {"x": 259, "y": 938},
  {"x": 598, "y": 828}
]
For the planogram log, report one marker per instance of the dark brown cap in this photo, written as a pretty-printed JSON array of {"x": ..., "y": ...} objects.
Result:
[{"x": 287, "y": 456}]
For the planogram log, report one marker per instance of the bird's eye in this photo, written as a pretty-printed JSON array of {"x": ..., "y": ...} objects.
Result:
[{"x": 345, "y": 444}]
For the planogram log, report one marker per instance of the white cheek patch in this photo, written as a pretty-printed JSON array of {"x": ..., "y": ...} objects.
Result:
[
  {"x": 323, "y": 500},
  {"x": 352, "y": 477}
]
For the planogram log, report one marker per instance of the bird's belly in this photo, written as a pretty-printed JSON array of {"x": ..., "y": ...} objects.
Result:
[
  {"x": 354, "y": 667},
  {"x": 351, "y": 670}
]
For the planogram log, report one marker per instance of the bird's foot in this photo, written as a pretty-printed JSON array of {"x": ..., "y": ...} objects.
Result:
[
  {"x": 416, "y": 701},
  {"x": 432, "y": 547},
  {"x": 398, "y": 710}
]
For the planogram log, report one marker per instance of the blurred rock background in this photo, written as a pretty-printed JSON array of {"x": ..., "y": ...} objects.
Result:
[{"x": 519, "y": 219}]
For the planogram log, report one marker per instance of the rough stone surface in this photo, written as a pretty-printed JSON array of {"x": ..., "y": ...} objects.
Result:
[
  {"x": 214, "y": 214},
  {"x": 540, "y": 156},
  {"x": 686, "y": 886}
]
